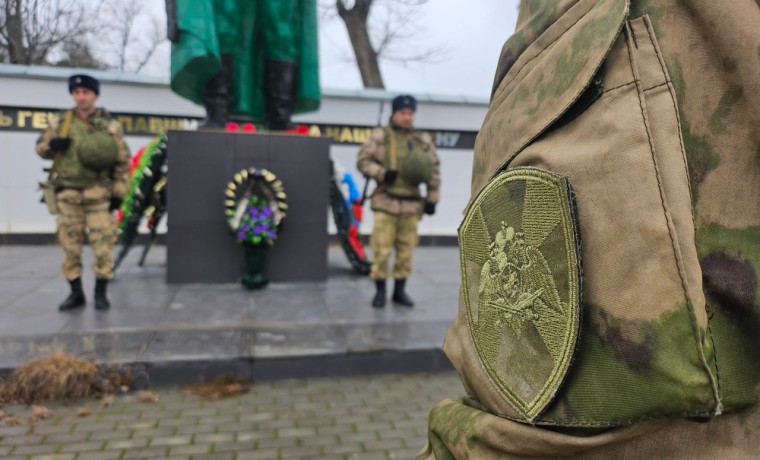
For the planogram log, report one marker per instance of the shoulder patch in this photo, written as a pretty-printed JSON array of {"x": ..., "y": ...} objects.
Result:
[{"x": 521, "y": 276}]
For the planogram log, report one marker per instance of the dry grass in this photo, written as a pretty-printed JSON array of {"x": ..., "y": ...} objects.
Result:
[
  {"x": 60, "y": 377},
  {"x": 221, "y": 386}
]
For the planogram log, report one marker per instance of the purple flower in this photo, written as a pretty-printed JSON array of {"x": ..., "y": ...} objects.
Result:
[{"x": 257, "y": 223}]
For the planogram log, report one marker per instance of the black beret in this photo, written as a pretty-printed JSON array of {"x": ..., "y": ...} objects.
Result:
[
  {"x": 84, "y": 81},
  {"x": 405, "y": 101}
]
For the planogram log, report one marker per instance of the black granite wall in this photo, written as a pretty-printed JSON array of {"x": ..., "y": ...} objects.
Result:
[{"x": 200, "y": 247}]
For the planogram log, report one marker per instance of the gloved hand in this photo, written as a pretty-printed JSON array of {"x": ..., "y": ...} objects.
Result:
[
  {"x": 429, "y": 208},
  {"x": 115, "y": 203},
  {"x": 59, "y": 144},
  {"x": 390, "y": 176}
]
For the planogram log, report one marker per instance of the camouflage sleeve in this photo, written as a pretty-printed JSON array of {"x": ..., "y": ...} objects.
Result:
[
  {"x": 120, "y": 173},
  {"x": 433, "y": 185},
  {"x": 370, "y": 159},
  {"x": 43, "y": 147}
]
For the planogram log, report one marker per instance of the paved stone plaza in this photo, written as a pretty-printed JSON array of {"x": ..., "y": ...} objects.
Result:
[
  {"x": 378, "y": 417},
  {"x": 193, "y": 331}
]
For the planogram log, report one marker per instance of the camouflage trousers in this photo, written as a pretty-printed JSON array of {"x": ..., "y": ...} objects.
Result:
[
  {"x": 86, "y": 211},
  {"x": 391, "y": 231}
]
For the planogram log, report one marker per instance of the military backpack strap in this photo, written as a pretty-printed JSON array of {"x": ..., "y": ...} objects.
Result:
[
  {"x": 391, "y": 146},
  {"x": 66, "y": 125},
  {"x": 63, "y": 132}
]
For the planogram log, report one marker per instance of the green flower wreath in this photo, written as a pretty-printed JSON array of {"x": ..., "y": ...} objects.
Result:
[
  {"x": 146, "y": 197},
  {"x": 142, "y": 181}
]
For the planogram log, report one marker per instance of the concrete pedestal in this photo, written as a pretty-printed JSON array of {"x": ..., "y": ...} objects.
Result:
[{"x": 200, "y": 246}]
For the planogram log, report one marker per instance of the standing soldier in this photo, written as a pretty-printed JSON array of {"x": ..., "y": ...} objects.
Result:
[
  {"x": 399, "y": 158},
  {"x": 90, "y": 164}
]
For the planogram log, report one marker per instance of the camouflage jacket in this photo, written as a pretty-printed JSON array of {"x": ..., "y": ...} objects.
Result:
[
  {"x": 372, "y": 161},
  {"x": 70, "y": 172},
  {"x": 610, "y": 254}
]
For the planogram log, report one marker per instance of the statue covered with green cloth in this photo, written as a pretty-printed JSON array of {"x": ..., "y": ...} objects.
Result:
[{"x": 258, "y": 59}]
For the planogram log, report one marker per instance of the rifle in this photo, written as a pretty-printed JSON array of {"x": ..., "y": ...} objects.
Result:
[{"x": 366, "y": 178}]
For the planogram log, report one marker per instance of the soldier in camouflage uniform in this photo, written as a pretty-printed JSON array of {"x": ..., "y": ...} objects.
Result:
[
  {"x": 610, "y": 254},
  {"x": 399, "y": 158},
  {"x": 91, "y": 180}
]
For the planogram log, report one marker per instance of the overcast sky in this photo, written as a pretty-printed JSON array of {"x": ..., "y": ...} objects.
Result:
[{"x": 471, "y": 32}]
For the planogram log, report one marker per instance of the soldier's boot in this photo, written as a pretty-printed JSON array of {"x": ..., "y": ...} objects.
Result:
[
  {"x": 101, "y": 294},
  {"x": 217, "y": 96},
  {"x": 379, "y": 300},
  {"x": 279, "y": 93},
  {"x": 76, "y": 297},
  {"x": 399, "y": 294}
]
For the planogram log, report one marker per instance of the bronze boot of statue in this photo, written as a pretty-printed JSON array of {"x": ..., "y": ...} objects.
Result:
[
  {"x": 279, "y": 93},
  {"x": 217, "y": 97}
]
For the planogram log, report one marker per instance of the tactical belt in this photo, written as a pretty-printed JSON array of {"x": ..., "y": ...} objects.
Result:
[{"x": 405, "y": 198}]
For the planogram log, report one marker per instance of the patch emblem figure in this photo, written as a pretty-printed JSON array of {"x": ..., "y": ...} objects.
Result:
[{"x": 521, "y": 277}]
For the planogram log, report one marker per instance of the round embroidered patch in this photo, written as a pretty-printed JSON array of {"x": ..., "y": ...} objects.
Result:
[{"x": 520, "y": 269}]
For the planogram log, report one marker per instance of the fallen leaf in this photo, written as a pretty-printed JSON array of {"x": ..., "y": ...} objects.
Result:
[
  {"x": 147, "y": 397},
  {"x": 39, "y": 413},
  {"x": 221, "y": 386},
  {"x": 13, "y": 421},
  {"x": 106, "y": 401}
]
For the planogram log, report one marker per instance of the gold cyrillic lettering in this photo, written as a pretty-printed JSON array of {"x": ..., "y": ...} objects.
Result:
[
  {"x": 21, "y": 118},
  {"x": 345, "y": 135},
  {"x": 332, "y": 131},
  {"x": 361, "y": 134},
  {"x": 126, "y": 123},
  {"x": 141, "y": 125},
  {"x": 156, "y": 124},
  {"x": 5, "y": 120},
  {"x": 40, "y": 120}
]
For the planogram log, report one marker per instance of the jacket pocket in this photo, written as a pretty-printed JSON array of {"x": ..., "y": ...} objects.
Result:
[{"x": 643, "y": 350}]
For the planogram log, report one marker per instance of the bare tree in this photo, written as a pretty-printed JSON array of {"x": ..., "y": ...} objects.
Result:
[
  {"x": 381, "y": 30},
  {"x": 31, "y": 30},
  {"x": 96, "y": 34},
  {"x": 132, "y": 36},
  {"x": 78, "y": 53}
]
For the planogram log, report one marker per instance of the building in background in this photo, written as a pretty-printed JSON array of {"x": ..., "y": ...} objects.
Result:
[{"x": 146, "y": 106}]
